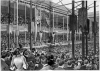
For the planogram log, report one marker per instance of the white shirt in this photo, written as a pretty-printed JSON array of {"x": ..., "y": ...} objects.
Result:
[{"x": 19, "y": 62}]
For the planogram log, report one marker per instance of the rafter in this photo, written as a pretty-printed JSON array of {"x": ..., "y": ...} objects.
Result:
[
  {"x": 68, "y": 3},
  {"x": 64, "y": 6},
  {"x": 90, "y": 4},
  {"x": 92, "y": 7},
  {"x": 58, "y": 2}
]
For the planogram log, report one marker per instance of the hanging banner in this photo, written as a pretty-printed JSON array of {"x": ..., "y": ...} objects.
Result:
[
  {"x": 37, "y": 20},
  {"x": 47, "y": 20},
  {"x": 29, "y": 26},
  {"x": 72, "y": 22},
  {"x": 10, "y": 29},
  {"x": 40, "y": 33},
  {"x": 95, "y": 29},
  {"x": 45, "y": 17},
  {"x": 82, "y": 17},
  {"x": 86, "y": 27},
  {"x": 35, "y": 31},
  {"x": 17, "y": 33},
  {"x": 37, "y": 15},
  {"x": 32, "y": 26}
]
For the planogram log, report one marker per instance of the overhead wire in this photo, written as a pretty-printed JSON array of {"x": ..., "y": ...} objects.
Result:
[
  {"x": 90, "y": 4},
  {"x": 78, "y": 5},
  {"x": 57, "y": 2},
  {"x": 64, "y": 6},
  {"x": 69, "y": 3},
  {"x": 92, "y": 7}
]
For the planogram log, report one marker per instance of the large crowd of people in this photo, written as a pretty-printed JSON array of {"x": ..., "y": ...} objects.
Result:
[{"x": 20, "y": 58}]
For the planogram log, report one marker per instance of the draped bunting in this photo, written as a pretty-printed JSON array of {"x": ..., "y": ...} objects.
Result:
[
  {"x": 37, "y": 19},
  {"x": 82, "y": 17},
  {"x": 45, "y": 17},
  {"x": 86, "y": 28},
  {"x": 94, "y": 28},
  {"x": 40, "y": 33},
  {"x": 72, "y": 22}
]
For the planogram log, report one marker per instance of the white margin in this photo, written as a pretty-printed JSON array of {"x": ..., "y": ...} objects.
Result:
[
  {"x": 99, "y": 34},
  {"x": 0, "y": 35}
]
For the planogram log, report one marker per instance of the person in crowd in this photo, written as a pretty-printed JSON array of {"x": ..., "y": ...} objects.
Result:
[
  {"x": 4, "y": 65},
  {"x": 30, "y": 58},
  {"x": 78, "y": 65},
  {"x": 83, "y": 66},
  {"x": 8, "y": 58},
  {"x": 48, "y": 64},
  {"x": 57, "y": 61},
  {"x": 38, "y": 65},
  {"x": 18, "y": 62}
]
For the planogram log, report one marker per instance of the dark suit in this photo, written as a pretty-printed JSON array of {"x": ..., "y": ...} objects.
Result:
[{"x": 4, "y": 66}]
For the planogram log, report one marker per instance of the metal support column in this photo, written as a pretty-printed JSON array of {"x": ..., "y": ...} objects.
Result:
[
  {"x": 25, "y": 22},
  {"x": 30, "y": 23},
  {"x": 94, "y": 27},
  {"x": 53, "y": 25},
  {"x": 63, "y": 30},
  {"x": 86, "y": 35},
  {"x": 73, "y": 32},
  {"x": 40, "y": 24},
  {"x": 8, "y": 27},
  {"x": 83, "y": 37},
  {"x": 17, "y": 25},
  {"x": 51, "y": 30},
  {"x": 67, "y": 28},
  {"x": 14, "y": 19}
]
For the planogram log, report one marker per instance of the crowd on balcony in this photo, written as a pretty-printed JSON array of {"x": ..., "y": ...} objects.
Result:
[{"x": 21, "y": 19}]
